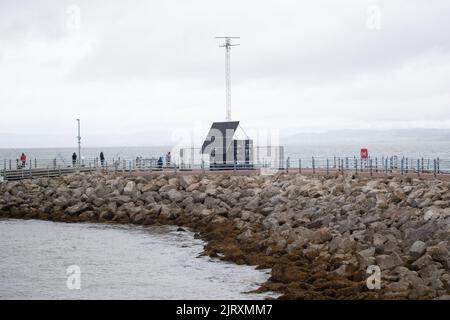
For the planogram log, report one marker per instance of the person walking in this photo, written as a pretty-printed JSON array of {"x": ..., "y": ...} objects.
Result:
[
  {"x": 23, "y": 159},
  {"x": 102, "y": 158},
  {"x": 74, "y": 159}
]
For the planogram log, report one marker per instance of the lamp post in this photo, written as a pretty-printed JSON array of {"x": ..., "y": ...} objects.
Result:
[{"x": 79, "y": 143}]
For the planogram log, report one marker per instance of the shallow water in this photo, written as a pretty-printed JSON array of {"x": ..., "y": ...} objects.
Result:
[{"x": 116, "y": 262}]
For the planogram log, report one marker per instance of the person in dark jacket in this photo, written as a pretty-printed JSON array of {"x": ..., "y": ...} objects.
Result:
[
  {"x": 74, "y": 159},
  {"x": 102, "y": 159},
  {"x": 168, "y": 159},
  {"x": 160, "y": 162}
]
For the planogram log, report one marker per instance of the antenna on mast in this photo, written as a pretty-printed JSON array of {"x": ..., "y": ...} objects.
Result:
[{"x": 227, "y": 45}]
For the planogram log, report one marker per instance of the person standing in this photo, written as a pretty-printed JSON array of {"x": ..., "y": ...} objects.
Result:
[
  {"x": 23, "y": 159},
  {"x": 168, "y": 158},
  {"x": 102, "y": 158},
  {"x": 74, "y": 159}
]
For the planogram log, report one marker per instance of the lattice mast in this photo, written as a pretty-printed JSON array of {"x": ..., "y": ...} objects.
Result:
[{"x": 227, "y": 45}]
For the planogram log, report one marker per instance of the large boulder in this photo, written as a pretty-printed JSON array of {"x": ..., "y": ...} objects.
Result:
[
  {"x": 321, "y": 235},
  {"x": 76, "y": 209},
  {"x": 187, "y": 180},
  {"x": 130, "y": 188},
  {"x": 417, "y": 249},
  {"x": 175, "y": 195},
  {"x": 386, "y": 262},
  {"x": 438, "y": 253}
]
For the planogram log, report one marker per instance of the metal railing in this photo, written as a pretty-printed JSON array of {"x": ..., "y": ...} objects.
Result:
[{"x": 13, "y": 170}]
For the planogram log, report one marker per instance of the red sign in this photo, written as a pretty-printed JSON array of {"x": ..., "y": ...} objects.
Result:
[{"x": 364, "y": 153}]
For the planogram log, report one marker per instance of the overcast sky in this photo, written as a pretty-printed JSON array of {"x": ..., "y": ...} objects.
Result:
[{"x": 135, "y": 72}]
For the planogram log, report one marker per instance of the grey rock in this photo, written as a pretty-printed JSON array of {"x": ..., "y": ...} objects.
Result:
[
  {"x": 175, "y": 195},
  {"x": 107, "y": 215},
  {"x": 438, "y": 253},
  {"x": 139, "y": 218},
  {"x": 422, "y": 262},
  {"x": 76, "y": 209},
  {"x": 129, "y": 188},
  {"x": 122, "y": 199},
  {"x": 417, "y": 249},
  {"x": 432, "y": 214},
  {"x": 322, "y": 235},
  {"x": 386, "y": 262},
  {"x": 244, "y": 236}
]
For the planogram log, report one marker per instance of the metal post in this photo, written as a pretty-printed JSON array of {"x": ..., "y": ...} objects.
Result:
[
  {"x": 434, "y": 167},
  {"x": 438, "y": 169},
  {"x": 299, "y": 165},
  {"x": 370, "y": 164},
  {"x": 356, "y": 166},
  {"x": 313, "y": 166},
  {"x": 403, "y": 159},
  {"x": 406, "y": 163},
  {"x": 328, "y": 169},
  {"x": 418, "y": 167},
  {"x": 391, "y": 164},
  {"x": 79, "y": 143},
  {"x": 287, "y": 165},
  {"x": 376, "y": 164}
]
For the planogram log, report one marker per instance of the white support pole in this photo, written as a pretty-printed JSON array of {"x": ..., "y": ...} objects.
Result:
[{"x": 79, "y": 143}]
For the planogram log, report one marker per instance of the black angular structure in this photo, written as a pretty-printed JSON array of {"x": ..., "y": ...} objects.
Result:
[{"x": 225, "y": 151}]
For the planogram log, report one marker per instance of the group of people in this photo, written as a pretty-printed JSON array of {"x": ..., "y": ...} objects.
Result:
[
  {"x": 21, "y": 163},
  {"x": 168, "y": 160},
  {"x": 75, "y": 157}
]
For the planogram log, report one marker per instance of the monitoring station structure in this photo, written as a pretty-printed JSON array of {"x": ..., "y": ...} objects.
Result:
[{"x": 225, "y": 148}]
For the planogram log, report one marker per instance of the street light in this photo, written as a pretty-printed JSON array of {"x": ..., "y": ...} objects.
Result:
[{"x": 79, "y": 143}]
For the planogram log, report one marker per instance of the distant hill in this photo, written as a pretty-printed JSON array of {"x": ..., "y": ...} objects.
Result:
[{"x": 369, "y": 136}]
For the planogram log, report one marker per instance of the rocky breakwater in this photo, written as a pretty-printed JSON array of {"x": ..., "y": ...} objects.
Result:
[{"x": 317, "y": 234}]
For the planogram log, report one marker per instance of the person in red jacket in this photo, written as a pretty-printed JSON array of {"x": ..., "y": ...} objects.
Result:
[{"x": 23, "y": 158}]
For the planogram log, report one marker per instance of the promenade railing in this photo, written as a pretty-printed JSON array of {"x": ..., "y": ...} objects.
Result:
[{"x": 372, "y": 165}]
